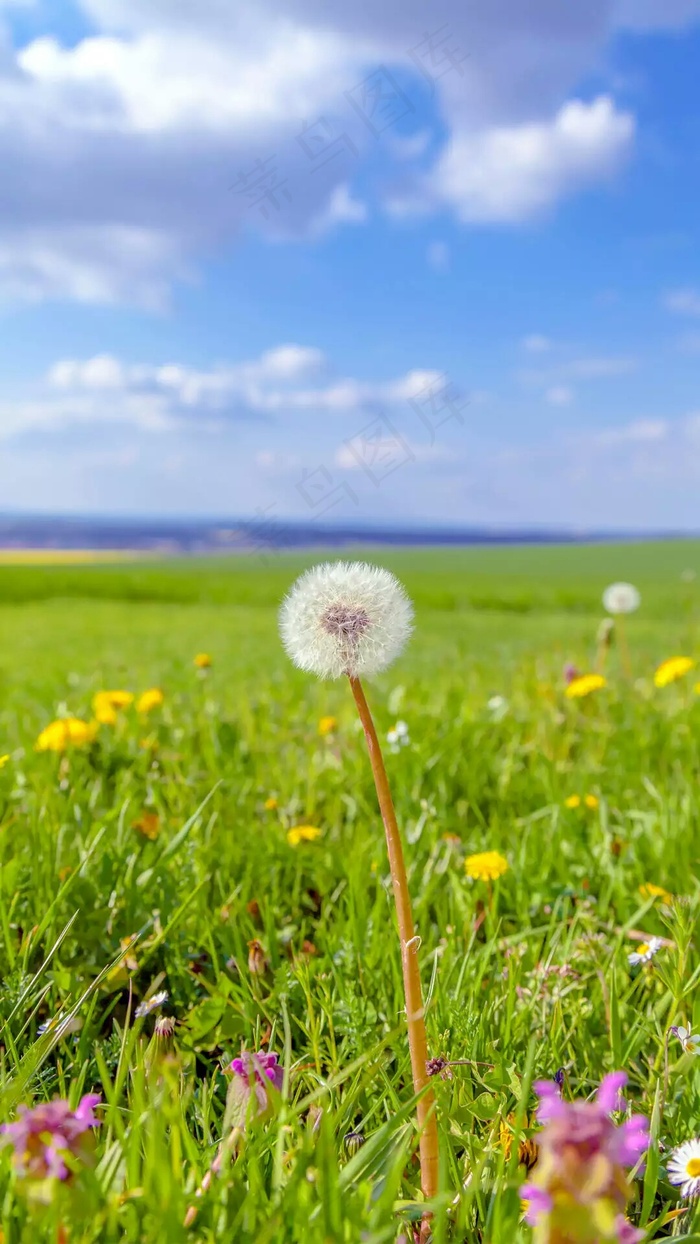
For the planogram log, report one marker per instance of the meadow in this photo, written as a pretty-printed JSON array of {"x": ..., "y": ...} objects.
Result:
[{"x": 157, "y": 856}]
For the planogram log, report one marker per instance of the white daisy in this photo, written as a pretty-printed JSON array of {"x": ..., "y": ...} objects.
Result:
[
  {"x": 690, "y": 1042},
  {"x": 345, "y": 618},
  {"x": 645, "y": 951},
  {"x": 497, "y": 707},
  {"x": 155, "y": 1001},
  {"x": 621, "y": 598},
  {"x": 684, "y": 1168},
  {"x": 398, "y": 737}
]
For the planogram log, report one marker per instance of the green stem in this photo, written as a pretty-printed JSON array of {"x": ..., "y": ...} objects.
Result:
[{"x": 415, "y": 1014}]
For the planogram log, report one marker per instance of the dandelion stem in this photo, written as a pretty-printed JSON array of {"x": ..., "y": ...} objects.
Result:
[
  {"x": 417, "y": 1039},
  {"x": 623, "y": 646}
]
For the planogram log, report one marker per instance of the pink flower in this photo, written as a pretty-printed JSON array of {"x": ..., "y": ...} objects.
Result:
[
  {"x": 582, "y": 1174},
  {"x": 252, "y": 1076},
  {"x": 44, "y": 1137}
]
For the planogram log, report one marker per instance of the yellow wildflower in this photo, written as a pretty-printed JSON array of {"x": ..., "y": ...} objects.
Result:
[
  {"x": 67, "y": 732},
  {"x": 573, "y": 801},
  {"x": 4, "y": 760},
  {"x": 105, "y": 705},
  {"x": 153, "y": 698},
  {"x": 485, "y": 866},
  {"x": 327, "y": 725},
  {"x": 270, "y": 804},
  {"x": 148, "y": 824},
  {"x": 302, "y": 833},
  {"x": 584, "y": 684},
  {"x": 202, "y": 661},
  {"x": 650, "y": 890},
  {"x": 591, "y": 801},
  {"x": 670, "y": 670}
]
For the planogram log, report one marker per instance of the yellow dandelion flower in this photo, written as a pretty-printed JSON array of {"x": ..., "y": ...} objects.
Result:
[
  {"x": 584, "y": 684},
  {"x": 67, "y": 732},
  {"x": 270, "y": 804},
  {"x": 202, "y": 661},
  {"x": 4, "y": 760},
  {"x": 670, "y": 670},
  {"x": 106, "y": 704},
  {"x": 148, "y": 700},
  {"x": 572, "y": 801},
  {"x": 650, "y": 890},
  {"x": 327, "y": 725},
  {"x": 302, "y": 833},
  {"x": 485, "y": 866},
  {"x": 591, "y": 801}
]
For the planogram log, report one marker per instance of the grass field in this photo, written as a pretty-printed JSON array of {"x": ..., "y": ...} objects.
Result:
[{"x": 170, "y": 828}]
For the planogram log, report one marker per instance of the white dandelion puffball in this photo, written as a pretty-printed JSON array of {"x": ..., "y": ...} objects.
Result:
[
  {"x": 621, "y": 598},
  {"x": 345, "y": 618}
]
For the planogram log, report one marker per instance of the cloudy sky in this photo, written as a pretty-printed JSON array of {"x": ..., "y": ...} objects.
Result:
[{"x": 401, "y": 261}]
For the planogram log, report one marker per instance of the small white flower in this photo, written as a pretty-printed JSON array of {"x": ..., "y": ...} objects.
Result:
[
  {"x": 155, "y": 1001},
  {"x": 398, "y": 737},
  {"x": 690, "y": 1043},
  {"x": 497, "y": 707},
  {"x": 684, "y": 1168},
  {"x": 345, "y": 618},
  {"x": 646, "y": 951},
  {"x": 621, "y": 598}
]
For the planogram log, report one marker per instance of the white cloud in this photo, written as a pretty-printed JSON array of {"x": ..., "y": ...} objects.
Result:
[
  {"x": 103, "y": 389},
  {"x": 131, "y": 154},
  {"x": 594, "y": 368},
  {"x": 512, "y": 173},
  {"x": 641, "y": 431},
  {"x": 683, "y": 301},
  {"x": 559, "y": 395},
  {"x": 536, "y": 344}
]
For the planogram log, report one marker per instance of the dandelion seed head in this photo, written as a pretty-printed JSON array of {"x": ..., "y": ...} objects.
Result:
[
  {"x": 621, "y": 598},
  {"x": 345, "y": 618}
]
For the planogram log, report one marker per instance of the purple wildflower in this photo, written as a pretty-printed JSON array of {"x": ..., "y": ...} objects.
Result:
[
  {"x": 252, "y": 1076},
  {"x": 581, "y": 1178},
  {"x": 570, "y": 673},
  {"x": 44, "y": 1137}
]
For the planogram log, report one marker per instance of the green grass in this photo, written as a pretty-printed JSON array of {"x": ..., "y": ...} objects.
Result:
[{"x": 77, "y": 879}]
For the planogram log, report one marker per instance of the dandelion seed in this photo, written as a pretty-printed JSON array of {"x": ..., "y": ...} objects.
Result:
[
  {"x": 326, "y": 726},
  {"x": 154, "y": 1003},
  {"x": 148, "y": 700},
  {"x": 672, "y": 669},
  {"x": 64, "y": 733},
  {"x": 43, "y": 1138},
  {"x": 584, "y": 685},
  {"x": 690, "y": 1043},
  {"x": 345, "y": 618},
  {"x": 621, "y": 598},
  {"x": 684, "y": 1168},
  {"x": 645, "y": 951},
  {"x": 302, "y": 833},
  {"x": 486, "y": 866}
]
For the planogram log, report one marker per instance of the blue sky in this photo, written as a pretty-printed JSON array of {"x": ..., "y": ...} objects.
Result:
[{"x": 429, "y": 263}]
